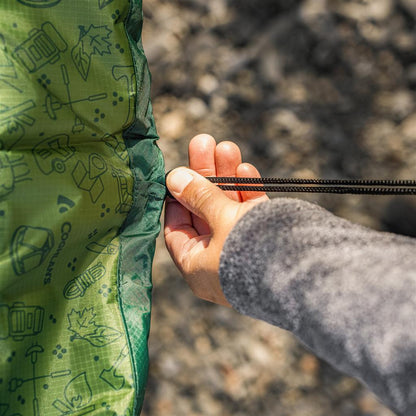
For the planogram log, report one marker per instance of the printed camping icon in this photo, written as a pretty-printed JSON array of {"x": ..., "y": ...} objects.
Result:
[
  {"x": 29, "y": 247},
  {"x": 77, "y": 395}
]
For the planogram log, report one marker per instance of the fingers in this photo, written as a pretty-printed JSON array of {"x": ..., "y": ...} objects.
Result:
[
  {"x": 247, "y": 170},
  {"x": 179, "y": 231},
  {"x": 227, "y": 159},
  {"x": 199, "y": 196},
  {"x": 201, "y": 154}
]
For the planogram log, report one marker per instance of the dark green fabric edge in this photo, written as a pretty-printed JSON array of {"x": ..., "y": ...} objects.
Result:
[{"x": 142, "y": 225}]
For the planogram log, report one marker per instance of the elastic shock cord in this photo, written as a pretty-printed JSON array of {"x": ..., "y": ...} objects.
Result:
[{"x": 332, "y": 186}]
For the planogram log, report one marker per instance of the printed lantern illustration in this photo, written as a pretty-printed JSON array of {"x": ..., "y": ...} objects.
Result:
[{"x": 29, "y": 247}]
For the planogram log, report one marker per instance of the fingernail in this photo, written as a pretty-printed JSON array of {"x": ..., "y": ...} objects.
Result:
[{"x": 178, "y": 180}]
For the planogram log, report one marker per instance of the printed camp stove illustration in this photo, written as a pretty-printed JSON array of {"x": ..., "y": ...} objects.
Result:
[
  {"x": 43, "y": 46},
  {"x": 53, "y": 105},
  {"x": 77, "y": 396},
  {"x": 20, "y": 321}
]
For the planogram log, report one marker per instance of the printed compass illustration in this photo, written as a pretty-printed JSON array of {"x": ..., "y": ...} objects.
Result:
[{"x": 52, "y": 105}]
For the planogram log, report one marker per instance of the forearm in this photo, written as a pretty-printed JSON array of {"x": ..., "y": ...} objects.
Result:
[{"x": 347, "y": 292}]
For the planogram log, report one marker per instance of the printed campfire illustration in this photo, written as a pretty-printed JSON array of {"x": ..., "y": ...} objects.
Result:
[{"x": 77, "y": 396}]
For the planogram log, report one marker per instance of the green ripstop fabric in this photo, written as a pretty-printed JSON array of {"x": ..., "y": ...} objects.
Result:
[{"x": 81, "y": 191}]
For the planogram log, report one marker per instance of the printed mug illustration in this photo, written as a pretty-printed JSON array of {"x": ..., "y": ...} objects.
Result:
[
  {"x": 90, "y": 179},
  {"x": 83, "y": 326},
  {"x": 110, "y": 376},
  {"x": 77, "y": 287},
  {"x": 125, "y": 197},
  {"x": 12, "y": 171},
  {"x": 8, "y": 72},
  {"x": 43, "y": 46},
  {"x": 78, "y": 395},
  {"x": 39, "y": 3},
  {"x": 91, "y": 42},
  {"x": 52, "y": 153},
  {"x": 29, "y": 247},
  {"x": 19, "y": 321},
  {"x": 52, "y": 104},
  {"x": 15, "y": 118}
]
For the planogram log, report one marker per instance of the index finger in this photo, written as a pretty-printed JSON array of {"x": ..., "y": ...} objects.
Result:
[
  {"x": 202, "y": 160},
  {"x": 202, "y": 155}
]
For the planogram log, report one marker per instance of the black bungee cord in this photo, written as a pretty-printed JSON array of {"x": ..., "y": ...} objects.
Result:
[{"x": 329, "y": 186}]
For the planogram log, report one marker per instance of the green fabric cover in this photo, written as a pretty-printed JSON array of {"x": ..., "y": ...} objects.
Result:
[{"x": 81, "y": 191}]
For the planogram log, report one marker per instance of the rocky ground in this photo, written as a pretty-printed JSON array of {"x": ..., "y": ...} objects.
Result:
[{"x": 312, "y": 88}]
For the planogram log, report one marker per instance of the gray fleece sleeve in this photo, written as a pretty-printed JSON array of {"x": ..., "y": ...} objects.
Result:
[{"x": 347, "y": 292}]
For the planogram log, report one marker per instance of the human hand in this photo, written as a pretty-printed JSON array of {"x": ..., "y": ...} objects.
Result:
[{"x": 199, "y": 219}]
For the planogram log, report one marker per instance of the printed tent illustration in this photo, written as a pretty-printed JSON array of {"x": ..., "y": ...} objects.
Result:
[{"x": 81, "y": 190}]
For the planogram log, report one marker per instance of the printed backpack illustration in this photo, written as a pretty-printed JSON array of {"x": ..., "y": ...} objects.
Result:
[{"x": 81, "y": 191}]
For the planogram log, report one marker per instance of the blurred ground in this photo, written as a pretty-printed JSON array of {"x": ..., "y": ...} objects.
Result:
[{"x": 312, "y": 88}]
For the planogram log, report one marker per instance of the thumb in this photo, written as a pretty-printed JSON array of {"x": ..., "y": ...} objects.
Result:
[{"x": 198, "y": 195}]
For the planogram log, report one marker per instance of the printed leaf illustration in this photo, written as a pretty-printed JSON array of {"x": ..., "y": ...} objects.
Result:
[
  {"x": 95, "y": 40},
  {"x": 80, "y": 322},
  {"x": 81, "y": 60},
  {"x": 91, "y": 42},
  {"x": 103, "y": 335},
  {"x": 83, "y": 326}
]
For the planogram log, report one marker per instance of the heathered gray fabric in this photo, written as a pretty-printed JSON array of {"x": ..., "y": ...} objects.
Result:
[{"x": 347, "y": 292}]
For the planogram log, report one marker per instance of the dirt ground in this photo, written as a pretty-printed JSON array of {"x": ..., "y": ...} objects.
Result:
[{"x": 312, "y": 88}]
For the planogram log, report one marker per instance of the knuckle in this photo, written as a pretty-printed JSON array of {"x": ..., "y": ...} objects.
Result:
[{"x": 203, "y": 196}]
